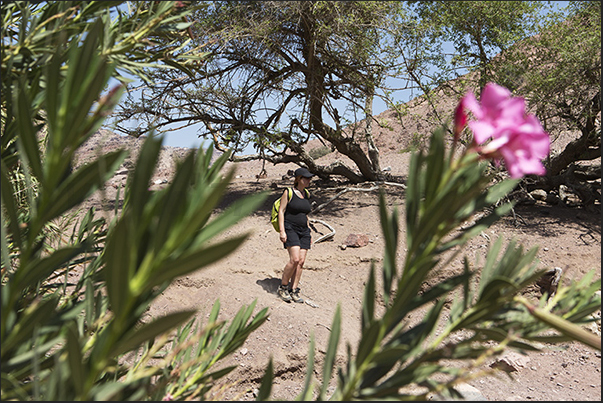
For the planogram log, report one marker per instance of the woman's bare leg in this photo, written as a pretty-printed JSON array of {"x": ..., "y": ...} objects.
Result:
[
  {"x": 289, "y": 272},
  {"x": 299, "y": 268}
]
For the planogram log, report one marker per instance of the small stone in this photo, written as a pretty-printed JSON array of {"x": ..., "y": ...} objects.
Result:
[
  {"x": 356, "y": 240},
  {"x": 511, "y": 362},
  {"x": 539, "y": 194}
]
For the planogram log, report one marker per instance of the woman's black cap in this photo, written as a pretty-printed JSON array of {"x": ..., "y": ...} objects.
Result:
[{"x": 303, "y": 172}]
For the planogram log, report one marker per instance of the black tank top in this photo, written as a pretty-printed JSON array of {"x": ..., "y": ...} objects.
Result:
[{"x": 297, "y": 210}]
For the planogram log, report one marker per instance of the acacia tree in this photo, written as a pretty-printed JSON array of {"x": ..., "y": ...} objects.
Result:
[
  {"x": 451, "y": 47},
  {"x": 552, "y": 60},
  {"x": 561, "y": 81},
  {"x": 280, "y": 74},
  {"x": 477, "y": 29}
]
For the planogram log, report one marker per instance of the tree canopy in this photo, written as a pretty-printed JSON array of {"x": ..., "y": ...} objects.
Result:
[
  {"x": 478, "y": 29},
  {"x": 278, "y": 71},
  {"x": 560, "y": 79}
]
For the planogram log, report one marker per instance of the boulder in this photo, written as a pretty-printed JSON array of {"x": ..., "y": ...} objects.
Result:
[{"x": 356, "y": 240}]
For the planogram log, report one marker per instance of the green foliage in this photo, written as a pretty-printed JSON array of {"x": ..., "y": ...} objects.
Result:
[
  {"x": 279, "y": 72},
  {"x": 561, "y": 82},
  {"x": 478, "y": 29},
  {"x": 562, "y": 76},
  {"x": 318, "y": 152}
]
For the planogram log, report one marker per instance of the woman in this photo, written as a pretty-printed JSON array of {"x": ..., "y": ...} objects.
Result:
[{"x": 295, "y": 234}]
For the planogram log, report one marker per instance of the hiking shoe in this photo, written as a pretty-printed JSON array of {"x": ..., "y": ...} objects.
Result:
[
  {"x": 295, "y": 295},
  {"x": 283, "y": 293}
]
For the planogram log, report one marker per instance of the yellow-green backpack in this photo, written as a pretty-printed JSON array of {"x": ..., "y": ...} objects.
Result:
[{"x": 277, "y": 204}]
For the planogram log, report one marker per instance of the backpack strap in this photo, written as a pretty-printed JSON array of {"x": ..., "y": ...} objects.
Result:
[{"x": 290, "y": 193}]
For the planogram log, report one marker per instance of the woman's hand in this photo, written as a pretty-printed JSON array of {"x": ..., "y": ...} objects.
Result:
[{"x": 283, "y": 236}]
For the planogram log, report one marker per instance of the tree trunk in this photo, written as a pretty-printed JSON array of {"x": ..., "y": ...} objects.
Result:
[
  {"x": 577, "y": 150},
  {"x": 352, "y": 150},
  {"x": 373, "y": 151}
]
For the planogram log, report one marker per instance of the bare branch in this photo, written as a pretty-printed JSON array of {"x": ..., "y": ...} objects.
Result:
[{"x": 376, "y": 186}]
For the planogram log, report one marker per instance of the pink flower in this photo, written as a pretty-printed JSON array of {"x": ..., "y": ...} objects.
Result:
[
  {"x": 460, "y": 120},
  {"x": 506, "y": 132}
]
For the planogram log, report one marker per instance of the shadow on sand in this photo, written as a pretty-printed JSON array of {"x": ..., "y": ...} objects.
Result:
[{"x": 269, "y": 284}]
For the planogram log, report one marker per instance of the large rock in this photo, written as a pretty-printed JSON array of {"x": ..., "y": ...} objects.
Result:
[
  {"x": 511, "y": 362},
  {"x": 356, "y": 240}
]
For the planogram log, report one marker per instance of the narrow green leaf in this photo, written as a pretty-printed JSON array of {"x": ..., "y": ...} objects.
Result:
[
  {"x": 306, "y": 393},
  {"x": 26, "y": 358},
  {"x": 8, "y": 203},
  {"x": 327, "y": 369},
  {"x": 149, "y": 331},
  {"x": 408, "y": 287},
  {"x": 398, "y": 379},
  {"x": 232, "y": 215},
  {"x": 35, "y": 315},
  {"x": 87, "y": 75},
  {"x": 438, "y": 291},
  {"x": 27, "y": 138},
  {"x": 476, "y": 228},
  {"x": 53, "y": 93},
  {"x": 496, "y": 288},
  {"x": 368, "y": 301},
  {"x": 383, "y": 361},
  {"x": 194, "y": 261},
  {"x": 79, "y": 185},
  {"x": 413, "y": 196},
  {"x": 174, "y": 202},
  {"x": 138, "y": 182},
  {"x": 119, "y": 255},
  {"x": 371, "y": 339},
  {"x": 108, "y": 391},
  {"x": 216, "y": 374},
  {"x": 213, "y": 316},
  {"x": 89, "y": 299},
  {"x": 435, "y": 165},
  {"x": 500, "y": 335},
  {"x": 389, "y": 227},
  {"x": 74, "y": 355},
  {"x": 239, "y": 330},
  {"x": 565, "y": 327},
  {"x": 245, "y": 329},
  {"x": 266, "y": 385},
  {"x": 460, "y": 303},
  {"x": 500, "y": 189},
  {"x": 40, "y": 268},
  {"x": 488, "y": 269}
]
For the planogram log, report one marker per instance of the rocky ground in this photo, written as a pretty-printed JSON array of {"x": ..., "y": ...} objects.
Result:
[{"x": 569, "y": 237}]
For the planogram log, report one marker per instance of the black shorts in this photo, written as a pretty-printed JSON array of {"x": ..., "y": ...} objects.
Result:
[{"x": 297, "y": 236}]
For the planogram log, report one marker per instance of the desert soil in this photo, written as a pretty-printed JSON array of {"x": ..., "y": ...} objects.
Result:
[{"x": 568, "y": 237}]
